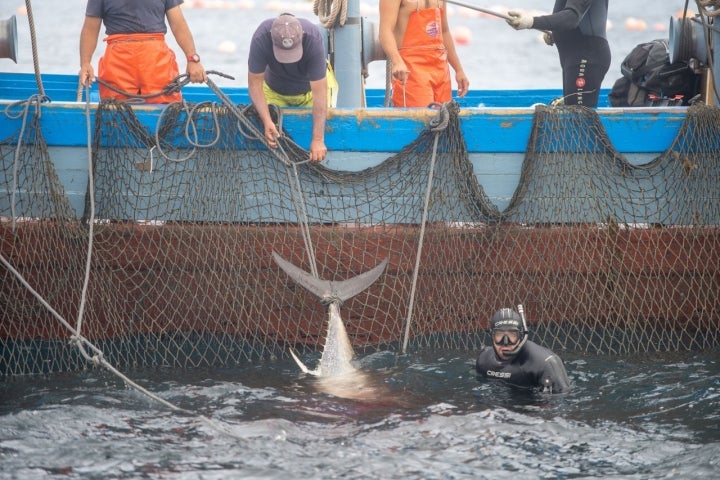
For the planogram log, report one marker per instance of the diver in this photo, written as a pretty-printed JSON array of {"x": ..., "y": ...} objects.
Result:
[
  {"x": 516, "y": 360},
  {"x": 579, "y": 30}
]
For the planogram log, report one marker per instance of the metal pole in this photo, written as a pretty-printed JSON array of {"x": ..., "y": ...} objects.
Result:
[
  {"x": 348, "y": 61},
  {"x": 480, "y": 9}
]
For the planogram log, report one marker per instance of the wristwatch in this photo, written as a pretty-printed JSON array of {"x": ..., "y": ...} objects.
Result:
[{"x": 194, "y": 58}]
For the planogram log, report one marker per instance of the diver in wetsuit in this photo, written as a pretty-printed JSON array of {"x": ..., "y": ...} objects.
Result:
[
  {"x": 578, "y": 28},
  {"x": 516, "y": 360}
]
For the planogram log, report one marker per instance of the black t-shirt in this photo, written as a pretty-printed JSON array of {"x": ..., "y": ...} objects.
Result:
[{"x": 288, "y": 78}]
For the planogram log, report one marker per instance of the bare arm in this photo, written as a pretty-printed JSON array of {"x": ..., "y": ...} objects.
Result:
[
  {"x": 463, "y": 84},
  {"x": 257, "y": 97},
  {"x": 184, "y": 38},
  {"x": 318, "y": 150},
  {"x": 389, "y": 12},
  {"x": 88, "y": 43}
]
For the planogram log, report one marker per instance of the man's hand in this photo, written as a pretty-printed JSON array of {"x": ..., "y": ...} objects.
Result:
[
  {"x": 400, "y": 71},
  {"x": 271, "y": 134},
  {"x": 463, "y": 84},
  {"x": 519, "y": 20},
  {"x": 318, "y": 150},
  {"x": 87, "y": 75},
  {"x": 196, "y": 72}
]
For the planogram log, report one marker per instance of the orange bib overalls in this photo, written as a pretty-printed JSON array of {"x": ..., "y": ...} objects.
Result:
[{"x": 425, "y": 56}]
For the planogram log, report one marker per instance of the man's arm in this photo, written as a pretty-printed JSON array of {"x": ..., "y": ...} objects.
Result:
[
  {"x": 318, "y": 150},
  {"x": 257, "y": 97},
  {"x": 88, "y": 42},
  {"x": 555, "y": 379},
  {"x": 389, "y": 11},
  {"x": 566, "y": 19},
  {"x": 463, "y": 84},
  {"x": 184, "y": 39}
]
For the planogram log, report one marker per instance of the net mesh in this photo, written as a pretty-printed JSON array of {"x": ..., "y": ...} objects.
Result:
[{"x": 606, "y": 257}]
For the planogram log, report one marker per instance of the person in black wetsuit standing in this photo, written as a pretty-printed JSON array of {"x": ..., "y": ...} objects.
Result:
[
  {"x": 578, "y": 28},
  {"x": 516, "y": 360}
]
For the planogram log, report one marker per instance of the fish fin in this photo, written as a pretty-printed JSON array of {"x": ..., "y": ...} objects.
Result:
[
  {"x": 343, "y": 290},
  {"x": 347, "y": 289},
  {"x": 321, "y": 288},
  {"x": 302, "y": 365}
]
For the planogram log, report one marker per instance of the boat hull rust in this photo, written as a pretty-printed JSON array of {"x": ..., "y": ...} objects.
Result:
[{"x": 629, "y": 268}]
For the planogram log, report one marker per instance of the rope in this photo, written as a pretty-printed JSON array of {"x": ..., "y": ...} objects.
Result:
[
  {"x": 33, "y": 41},
  {"x": 189, "y": 123},
  {"x": 91, "y": 220},
  {"x": 328, "y": 12},
  {"x": 33, "y": 100},
  {"x": 438, "y": 124},
  {"x": 707, "y": 28},
  {"x": 280, "y": 154},
  {"x": 173, "y": 87},
  {"x": 704, "y": 4},
  {"x": 81, "y": 342}
]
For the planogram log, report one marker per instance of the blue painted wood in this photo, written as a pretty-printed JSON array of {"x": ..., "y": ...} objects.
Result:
[
  {"x": 485, "y": 130},
  {"x": 64, "y": 88}
]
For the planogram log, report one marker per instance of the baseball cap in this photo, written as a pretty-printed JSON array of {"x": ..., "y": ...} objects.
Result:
[{"x": 287, "y": 36}]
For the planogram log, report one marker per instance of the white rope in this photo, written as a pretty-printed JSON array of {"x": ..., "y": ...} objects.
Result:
[
  {"x": 91, "y": 220},
  {"x": 416, "y": 269}
]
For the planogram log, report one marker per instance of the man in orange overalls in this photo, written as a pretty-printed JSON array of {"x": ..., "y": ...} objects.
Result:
[
  {"x": 137, "y": 59},
  {"x": 416, "y": 38}
]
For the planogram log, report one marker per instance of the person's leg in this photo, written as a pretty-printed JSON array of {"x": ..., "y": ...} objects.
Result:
[
  {"x": 115, "y": 68},
  {"x": 584, "y": 70},
  {"x": 441, "y": 81},
  {"x": 158, "y": 69},
  {"x": 417, "y": 91},
  {"x": 582, "y": 82}
]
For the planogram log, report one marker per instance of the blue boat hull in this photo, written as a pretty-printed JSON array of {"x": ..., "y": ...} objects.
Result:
[{"x": 496, "y": 134}]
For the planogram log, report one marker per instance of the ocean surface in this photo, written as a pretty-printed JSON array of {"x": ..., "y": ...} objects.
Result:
[
  {"x": 494, "y": 55},
  {"x": 639, "y": 417},
  {"x": 631, "y": 417}
]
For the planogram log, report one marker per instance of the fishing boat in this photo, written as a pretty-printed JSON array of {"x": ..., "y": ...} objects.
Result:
[{"x": 144, "y": 234}]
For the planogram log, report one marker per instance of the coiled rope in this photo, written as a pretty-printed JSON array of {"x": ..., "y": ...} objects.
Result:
[{"x": 329, "y": 11}]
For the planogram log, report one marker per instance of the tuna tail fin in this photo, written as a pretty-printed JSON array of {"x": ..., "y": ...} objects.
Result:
[
  {"x": 302, "y": 365},
  {"x": 328, "y": 290}
]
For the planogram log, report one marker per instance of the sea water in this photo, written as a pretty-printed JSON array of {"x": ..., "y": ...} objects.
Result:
[
  {"x": 646, "y": 416},
  {"x": 494, "y": 55}
]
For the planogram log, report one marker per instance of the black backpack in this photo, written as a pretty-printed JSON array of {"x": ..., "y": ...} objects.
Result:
[{"x": 650, "y": 79}]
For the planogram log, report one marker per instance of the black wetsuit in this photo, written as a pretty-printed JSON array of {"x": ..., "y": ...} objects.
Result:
[
  {"x": 579, "y": 31},
  {"x": 533, "y": 367}
]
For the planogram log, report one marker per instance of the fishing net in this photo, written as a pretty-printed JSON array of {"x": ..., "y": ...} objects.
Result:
[{"x": 180, "y": 224}]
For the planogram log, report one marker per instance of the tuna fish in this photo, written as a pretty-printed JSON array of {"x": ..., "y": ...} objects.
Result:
[{"x": 337, "y": 355}]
